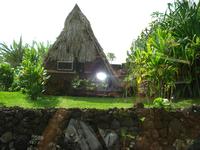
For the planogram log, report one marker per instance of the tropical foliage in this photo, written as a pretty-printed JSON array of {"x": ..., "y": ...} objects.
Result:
[
  {"x": 166, "y": 55},
  {"x": 78, "y": 83},
  {"x": 6, "y": 76},
  {"x": 27, "y": 72},
  {"x": 13, "y": 53},
  {"x": 85, "y": 84},
  {"x": 32, "y": 75},
  {"x": 111, "y": 56},
  {"x": 41, "y": 48},
  {"x": 161, "y": 103}
]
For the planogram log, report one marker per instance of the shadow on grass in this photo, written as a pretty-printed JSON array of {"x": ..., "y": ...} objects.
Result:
[
  {"x": 184, "y": 103},
  {"x": 44, "y": 102},
  {"x": 2, "y": 105},
  {"x": 188, "y": 100},
  {"x": 99, "y": 99}
]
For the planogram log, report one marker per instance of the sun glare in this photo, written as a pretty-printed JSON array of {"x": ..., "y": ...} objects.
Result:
[{"x": 101, "y": 76}]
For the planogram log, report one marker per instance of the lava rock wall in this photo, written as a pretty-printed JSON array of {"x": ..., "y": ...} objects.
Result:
[{"x": 133, "y": 129}]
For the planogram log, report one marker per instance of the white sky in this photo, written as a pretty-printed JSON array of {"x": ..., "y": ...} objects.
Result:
[{"x": 115, "y": 22}]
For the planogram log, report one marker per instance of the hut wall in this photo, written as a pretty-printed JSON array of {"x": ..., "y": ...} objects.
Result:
[
  {"x": 59, "y": 82},
  {"x": 51, "y": 65}
]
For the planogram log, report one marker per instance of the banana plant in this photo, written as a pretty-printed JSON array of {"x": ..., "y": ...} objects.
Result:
[{"x": 152, "y": 66}]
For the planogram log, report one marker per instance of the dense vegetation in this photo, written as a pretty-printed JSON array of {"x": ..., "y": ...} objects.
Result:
[
  {"x": 22, "y": 68},
  {"x": 6, "y": 76},
  {"x": 32, "y": 76},
  {"x": 165, "y": 58}
]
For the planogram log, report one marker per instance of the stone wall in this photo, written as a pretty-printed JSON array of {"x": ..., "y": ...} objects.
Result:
[{"x": 135, "y": 128}]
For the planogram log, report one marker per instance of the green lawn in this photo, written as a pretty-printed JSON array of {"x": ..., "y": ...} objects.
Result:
[
  {"x": 182, "y": 103},
  {"x": 186, "y": 103},
  {"x": 11, "y": 99}
]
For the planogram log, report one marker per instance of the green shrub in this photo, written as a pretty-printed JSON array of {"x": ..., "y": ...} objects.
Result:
[
  {"x": 161, "y": 103},
  {"x": 85, "y": 84},
  {"x": 32, "y": 75},
  {"x": 16, "y": 86},
  {"x": 6, "y": 76}
]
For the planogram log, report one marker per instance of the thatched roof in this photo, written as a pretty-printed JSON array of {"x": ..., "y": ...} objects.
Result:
[{"x": 77, "y": 40}]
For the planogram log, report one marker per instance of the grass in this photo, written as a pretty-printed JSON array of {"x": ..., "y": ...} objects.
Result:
[
  {"x": 10, "y": 99},
  {"x": 180, "y": 103},
  {"x": 186, "y": 103}
]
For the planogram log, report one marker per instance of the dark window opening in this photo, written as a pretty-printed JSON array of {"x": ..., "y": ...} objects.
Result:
[{"x": 65, "y": 65}]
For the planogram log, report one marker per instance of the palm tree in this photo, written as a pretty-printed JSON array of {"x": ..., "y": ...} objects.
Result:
[
  {"x": 111, "y": 56},
  {"x": 12, "y": 54},
  {"x": 42, "y": 48}
]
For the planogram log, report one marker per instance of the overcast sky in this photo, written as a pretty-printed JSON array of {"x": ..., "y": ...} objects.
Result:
[{"x": 115, "y": 22}]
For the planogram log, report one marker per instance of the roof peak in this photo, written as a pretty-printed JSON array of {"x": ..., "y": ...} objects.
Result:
[{"x": 76, "y": 7}]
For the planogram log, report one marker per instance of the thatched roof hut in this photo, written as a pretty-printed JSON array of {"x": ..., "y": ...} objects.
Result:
[{"x": 78, "y": 44}]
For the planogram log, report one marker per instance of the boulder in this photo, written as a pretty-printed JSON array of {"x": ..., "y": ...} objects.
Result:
[
  {"x": 174, "y": 130},
  {"x": 81, "y": 136},
  {"x": 21, "y": 142},
  {"x": 115, "y": 124},
  {"x": 111, "y": 139},
  {"x": 195, "y": 145},
  {"x": 180, "y": 144},
  {"x": 6, "y": 137}
]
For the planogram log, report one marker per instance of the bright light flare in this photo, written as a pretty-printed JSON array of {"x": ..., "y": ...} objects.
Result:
[{"x": 101, "y": 76}]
